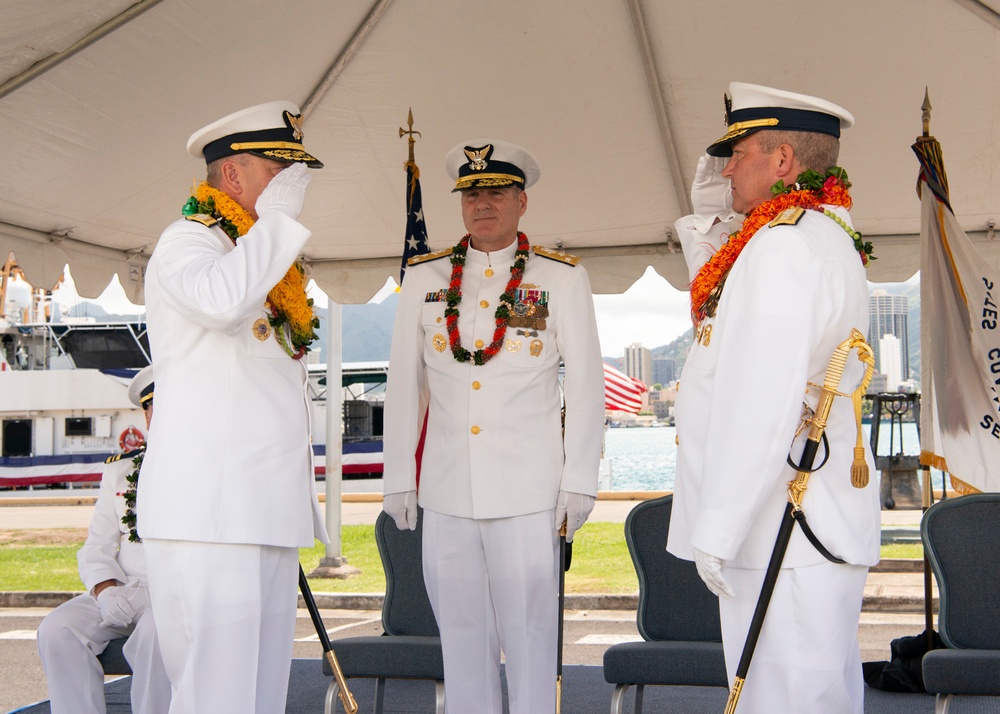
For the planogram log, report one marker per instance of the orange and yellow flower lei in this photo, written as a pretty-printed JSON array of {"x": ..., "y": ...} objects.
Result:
[
  {"x": 708, "y": 283},
  {"x": 287, "y": 301}
]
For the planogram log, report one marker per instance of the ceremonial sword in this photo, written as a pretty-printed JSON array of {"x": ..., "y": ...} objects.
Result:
[
  {"x": 346, "y": 698},
  {"x": 797, "y": 489},
  {"x": 565, "y": 558}
]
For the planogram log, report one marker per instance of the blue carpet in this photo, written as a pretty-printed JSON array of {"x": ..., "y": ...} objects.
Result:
[{"x": 584, "y": 692}]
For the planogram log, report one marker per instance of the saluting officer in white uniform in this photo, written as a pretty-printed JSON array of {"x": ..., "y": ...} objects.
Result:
[
  {"x": 113, "y": 569},
  {"x": 480, "y": 333},
  {"x": 228, "y": 491},
  {"x": 771, "y": 303}
]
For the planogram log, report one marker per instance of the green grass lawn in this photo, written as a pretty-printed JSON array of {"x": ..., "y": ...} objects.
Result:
[{"x": 601, "y": 563}]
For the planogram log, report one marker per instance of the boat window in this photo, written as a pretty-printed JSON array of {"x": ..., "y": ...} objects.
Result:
[{"x": 79, "y": 426}]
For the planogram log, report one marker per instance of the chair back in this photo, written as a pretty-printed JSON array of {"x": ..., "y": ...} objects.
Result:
[
  {"x": 961, "y": 537},
  {"x": 674, "y": 603},
  {"x": 406, "y": 609}
]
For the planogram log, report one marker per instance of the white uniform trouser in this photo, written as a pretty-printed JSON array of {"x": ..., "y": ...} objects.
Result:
[
  {"x": 225, "y": 617},
  {"x": 494, "y": 584},
  {"x": 807, "y": 659},
  {"x": 69, "y": 640}
]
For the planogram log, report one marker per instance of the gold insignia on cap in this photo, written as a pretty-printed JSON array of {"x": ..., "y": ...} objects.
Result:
[
  {"x": 439, "y": 342},
  {"x": 261, "y": 329},
  {"x": 295, "y": 121},
  {"x": 478, "y": 157}
]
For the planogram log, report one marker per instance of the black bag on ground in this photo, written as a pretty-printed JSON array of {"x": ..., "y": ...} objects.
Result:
[{"x": 903, "y": 672}]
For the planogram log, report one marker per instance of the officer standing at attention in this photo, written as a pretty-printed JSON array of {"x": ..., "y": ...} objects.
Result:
[
  {"x": 228, "y": 492},
  {"x": 116, "y": 604},
  {"x": 770, "y": 306},
  {"x": 480, "y": 333}
]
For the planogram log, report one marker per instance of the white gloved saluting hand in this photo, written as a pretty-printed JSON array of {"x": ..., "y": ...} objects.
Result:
[
  {"x": 402, "y": 507},
  {"x": 116, "y": 610},
  {"x": 574, "y": 508},
  {"x": 711, "y": 194},
  {"x": 710, "y": 570},
  {"x": 286, "y": 192}
]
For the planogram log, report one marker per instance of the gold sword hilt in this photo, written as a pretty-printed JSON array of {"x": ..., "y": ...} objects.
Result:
[
  {"x": 344, "y": 693},
  {"x": 830, "y": 391}
]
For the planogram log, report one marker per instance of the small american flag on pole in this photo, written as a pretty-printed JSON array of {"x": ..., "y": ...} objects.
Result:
[{"x": 621, "y": 392}]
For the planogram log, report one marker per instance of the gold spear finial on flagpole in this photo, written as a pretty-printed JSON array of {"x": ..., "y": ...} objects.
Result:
[
  {"x": 926, "y": 116},
  {"x": 404, "y": 132}
]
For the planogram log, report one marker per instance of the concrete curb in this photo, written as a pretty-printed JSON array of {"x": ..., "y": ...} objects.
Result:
[{"x": 876, "y": 602}]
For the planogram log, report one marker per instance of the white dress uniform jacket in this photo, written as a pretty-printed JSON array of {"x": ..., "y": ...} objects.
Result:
[
  {"x": 108, "y": 554},
  {"x": 494, "y": 445},
  {"x": 71, "y": 636},
  {"x": 790, "y": 299},
  {"x": 231, "y": 459}
]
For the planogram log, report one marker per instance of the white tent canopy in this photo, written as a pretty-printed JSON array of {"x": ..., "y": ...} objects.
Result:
[{"x": 617, "y": 98}]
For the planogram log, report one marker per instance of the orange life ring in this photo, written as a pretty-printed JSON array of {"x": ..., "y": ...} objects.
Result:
[{"x": 131, "y": 439}]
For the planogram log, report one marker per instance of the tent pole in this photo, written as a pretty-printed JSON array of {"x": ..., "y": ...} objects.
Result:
[
  {"x": 651, "y": 69},
  {"x": 928, "y": 590},
  {"x": 44, "y": 65},
  {"x": 339, "y": 64},
  {"x": 334, "y": 564}
]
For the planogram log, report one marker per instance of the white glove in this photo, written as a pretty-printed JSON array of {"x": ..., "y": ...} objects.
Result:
[
  {"x": 711, "y": 195},
  {"x": 698, "y": 248},
  {"x": 286, "y": 192},
  {"x": 574, "y": 509},
  {"x": 710, "y": 570},
  {"x": 138, "y": 598},
  {"x": 116, "y": 610},
  {"x": 402, "y": 507}
]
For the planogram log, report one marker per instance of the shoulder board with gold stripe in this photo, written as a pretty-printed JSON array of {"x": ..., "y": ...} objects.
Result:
[
  {"x": 556, "y": 255},
  {"x": 124, "y": 455},
  {"x": 788, "y": 217},
  {"x": 204, "y": 219},
  {"x": 429, "y": 256}
]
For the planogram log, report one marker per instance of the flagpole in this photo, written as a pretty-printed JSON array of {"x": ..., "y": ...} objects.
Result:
[{"x": 925, "y": 118}]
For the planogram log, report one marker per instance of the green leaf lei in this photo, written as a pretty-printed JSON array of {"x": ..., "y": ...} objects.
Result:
[
  {"x": 192, "y": 208},
  {"x": 132, "y": 478},
  {"x": 833, "y": 179}
]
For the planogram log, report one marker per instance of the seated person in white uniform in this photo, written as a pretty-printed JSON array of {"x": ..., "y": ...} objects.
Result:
[{"x": 113, "y": 569}]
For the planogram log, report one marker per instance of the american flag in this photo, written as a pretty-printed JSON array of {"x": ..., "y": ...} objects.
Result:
[
  {"x": 621, "y": 392},
  {"x": 416, "y": 231}
]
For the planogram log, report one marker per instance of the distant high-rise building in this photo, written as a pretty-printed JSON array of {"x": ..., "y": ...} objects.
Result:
[
  {"x": 663, "y": 370},
  {"x": 639, "y": 363},
  {"x": 887, "y": 316},
  {"x": 889, "y": 349}
]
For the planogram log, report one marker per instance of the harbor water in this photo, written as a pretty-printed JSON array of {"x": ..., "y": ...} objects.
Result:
[{"x": 644, "y": 459}]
